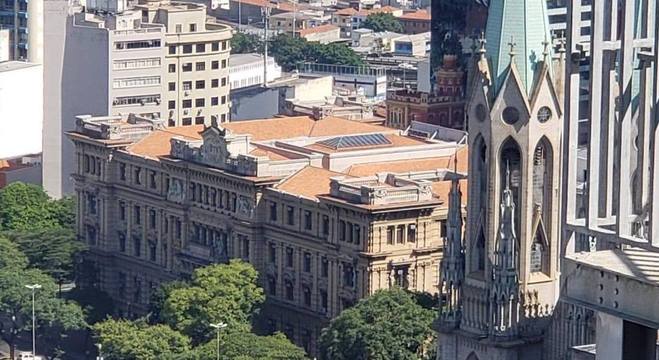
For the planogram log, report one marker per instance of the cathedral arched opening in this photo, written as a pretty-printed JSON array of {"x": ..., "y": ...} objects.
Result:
[
  {"x": 510, "y": 166},
  {"x": 541, "y": 222},
  {"x": 479, "y": 184}
]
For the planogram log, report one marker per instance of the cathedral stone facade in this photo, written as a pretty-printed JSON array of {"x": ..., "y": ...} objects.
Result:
[{"x": 501, "y": 282}]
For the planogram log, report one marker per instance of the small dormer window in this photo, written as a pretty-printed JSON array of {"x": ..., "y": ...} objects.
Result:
[
  {"x": 544, "y": 114},
  {"x": 510, "y": 115}
]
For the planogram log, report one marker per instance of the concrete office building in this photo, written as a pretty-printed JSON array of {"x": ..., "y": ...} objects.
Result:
[
  {"x": 102, "y": 62},
  {"x": 327, "y": 210}
]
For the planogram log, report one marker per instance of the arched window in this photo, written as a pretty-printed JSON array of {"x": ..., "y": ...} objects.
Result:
[
  {"x": 479, "y": 186},
  {"x": 510, "y": 166}
]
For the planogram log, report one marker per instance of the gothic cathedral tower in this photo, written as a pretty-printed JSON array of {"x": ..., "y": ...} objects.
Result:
[{"x": 501, "y": 285}]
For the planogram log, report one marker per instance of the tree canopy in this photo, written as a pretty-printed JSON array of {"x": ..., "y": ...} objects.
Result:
[
  {"x": 289, "y": 51},
  {"x": 55, "y": 316},
  {"x": 181, "y": 316},
  {"x": 28, "y": 207},
  {"x": 386, "y": 325},
  {"x": 127, "y": 340},
  {"x": 226, "y": 293},
  {"x": 382, "y": 21},
  {"x": 243, "y": 43}
]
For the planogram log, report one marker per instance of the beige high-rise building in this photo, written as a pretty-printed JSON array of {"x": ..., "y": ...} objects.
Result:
[
  {"x": 196, "y": 62},
  {"x": 327, "y": 210}
]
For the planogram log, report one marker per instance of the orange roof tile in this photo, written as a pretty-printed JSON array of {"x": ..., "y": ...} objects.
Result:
[
  {"x": 416, "y": 15},
  {"x": 347, "y": 11},
  {"x": 403, "y": 166},
  {"x": 158, "y": 142},
  {"x": 309, "y": 181},
  {"x": 317, "y": 29},
  {"x": 441, "y": 189}
]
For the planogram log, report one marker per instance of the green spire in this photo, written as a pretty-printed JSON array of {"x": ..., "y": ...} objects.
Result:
[{"x": 517, "y": 30}]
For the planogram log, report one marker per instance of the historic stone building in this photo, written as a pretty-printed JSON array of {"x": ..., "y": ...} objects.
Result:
[
  {"x": 327, "y": 210},
  {"x": 501, "y": 282},
  {"x": 443, "y": 106}
]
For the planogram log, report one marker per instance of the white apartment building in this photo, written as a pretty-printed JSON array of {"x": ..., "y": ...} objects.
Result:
[
  {"x": 21, "y": 110},
  {"x": 197, "y": 62},
  {"x": 246, "y": 70}
]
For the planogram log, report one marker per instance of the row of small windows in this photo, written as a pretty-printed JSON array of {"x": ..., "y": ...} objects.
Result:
[
  {"x": 128, "y": 45},
  {"x": 136, "y": 63},
  {"x": 198, "y": 102},
  {"x": 199, "y": 48},
  {"x": 199, "y": 66},
  {"x": 136, "y": 100},
  {"x": 91, "y": 165},
  {"x": 397, "y": 234},
  {"x": 307, "y": 218},
  {"x": 198, "y": 84},
  {"x": 136, "y": 82},
  {"x": 137, "y": 177},
  {"x": 306, "y": 260},
  {"x": 216, "y": 198},
  {"x": 198, "y": 120}
]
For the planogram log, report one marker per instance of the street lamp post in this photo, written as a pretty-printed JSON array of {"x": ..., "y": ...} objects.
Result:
[
  {"x": 34, "y": 287},
  {"x": 219, "y": 326}
]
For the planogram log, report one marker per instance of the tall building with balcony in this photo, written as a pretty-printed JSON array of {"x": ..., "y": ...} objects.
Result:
[
  {"x": 196, "y": 75},
  {"x": 328, "y": 210},
  {"x": 156, "y": 59}
]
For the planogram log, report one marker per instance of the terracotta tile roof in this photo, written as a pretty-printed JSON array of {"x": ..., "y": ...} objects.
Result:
[
  {"x": 416, "y": 15},
  {"x": 403, "y": 166},
  {"x": 346, "y": 12},
  {"x": 158, "y": 142},
  {"x": 395, "y": 141},
  {"x": 310, "y": 182},
  {"x": 317, "y": 29},
  {"x": 441, "y": 189}
]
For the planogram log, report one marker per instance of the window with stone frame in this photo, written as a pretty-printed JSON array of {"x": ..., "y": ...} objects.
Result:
[
  {"x": 307, "y": 220},
  {"x": 289, "y": 257},
  {"x": 289, "y": 290},
  {"x": 306, "y": 295},
  {"x": 307, "y": 262}
]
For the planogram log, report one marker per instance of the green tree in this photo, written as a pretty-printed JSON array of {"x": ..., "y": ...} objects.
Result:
[
  {"x": 55, "y": 316},
  {"x": 386, "y": 325},
  {"x": 249, "y": 346},
  {"x": 28, "y": 207},
  {"x": 158, "y": 298},
  {"x": 290, "y": 51},
  {"x": 381, "y": 21},
  {"x": 54, "y": 251},
  {"x": 126, "y": 340},
  {"x": 242, "y": 43},
  {"x": 217, "y": 293}
]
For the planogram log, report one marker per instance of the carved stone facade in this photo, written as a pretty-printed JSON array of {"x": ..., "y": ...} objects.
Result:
[{"x": 154, "y": 208}]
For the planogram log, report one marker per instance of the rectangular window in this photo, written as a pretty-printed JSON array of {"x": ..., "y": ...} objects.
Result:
[
  {"x": 187, "y": 67},
  {"x": 122, "y": 242},
  {"x": 245, "y": 249},
  {"x": 443, "y": 232},
  {"x": 187, "y": 85},
  {"x": 307, "y": 262},
  {"x": 187, "y": 104},
  {"x": 326, "y": 225},
  {"x": 193, "y": 27},
  {"x": 400, "y": 231},
  {"x": 171, "y": 104},
  {"x": 152, "y": 219},
  {"x": 142, "y": 44},
  {"x": 214, "y": 83},
  {"x": 273, "y": 211},
  {"x": 137, "y": 176},
  {"x": 135, "y": 63},
  {"x": 290, "y": 215},
  {"x": 224, "y": 45},
  {"x": 324, "y": 267},
  {"x": 215, "y": 65},
  {"x": 199, "y": 120},
  {"x": 172, "y": 49},
  {"x": 200, "y": 48},
  {"x": 214, "y": 101},
  {"x": 122, "y": 172},
  {"x": 357, "y": 233},
  {"x": 122, "y": 211},
  {"x": 307, "y": 220},
  {"x": 272, "y": 253},
  {"x": 186, "y": 120},
  {"x": 390, "y": 235},
  {"x": 152, "y": 180},
  {"x": 200, "y": 84},
  {"x": 215, "y": 46},
  {"x": 224, "y": 81},
  {"x": 177, "y": 228},
  {"x": 136, "y": 100},
  {"x": 224, "y": 99},
  {"x": 224, "y": 64},
  {"x": 137, "y": 246},
  {"x": 200, "y": 66},
  {"x": 306, "y": 292},
  {"x": 179, "y": 28},
  {"x": 135, "y": 82},
  {"x": 323, "y": 300},
  {"x": 172, "y": 68},
  {"x": 171, "y": 86},
  {"x": 201, "y": 102},
  {"x": 411, "y": 232},
  {"x": 187, "y": 49},
  {"x": 137, "y": 215},
  {"x": 342, "y": 230},
  {"x": 289, "y": 257}
]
